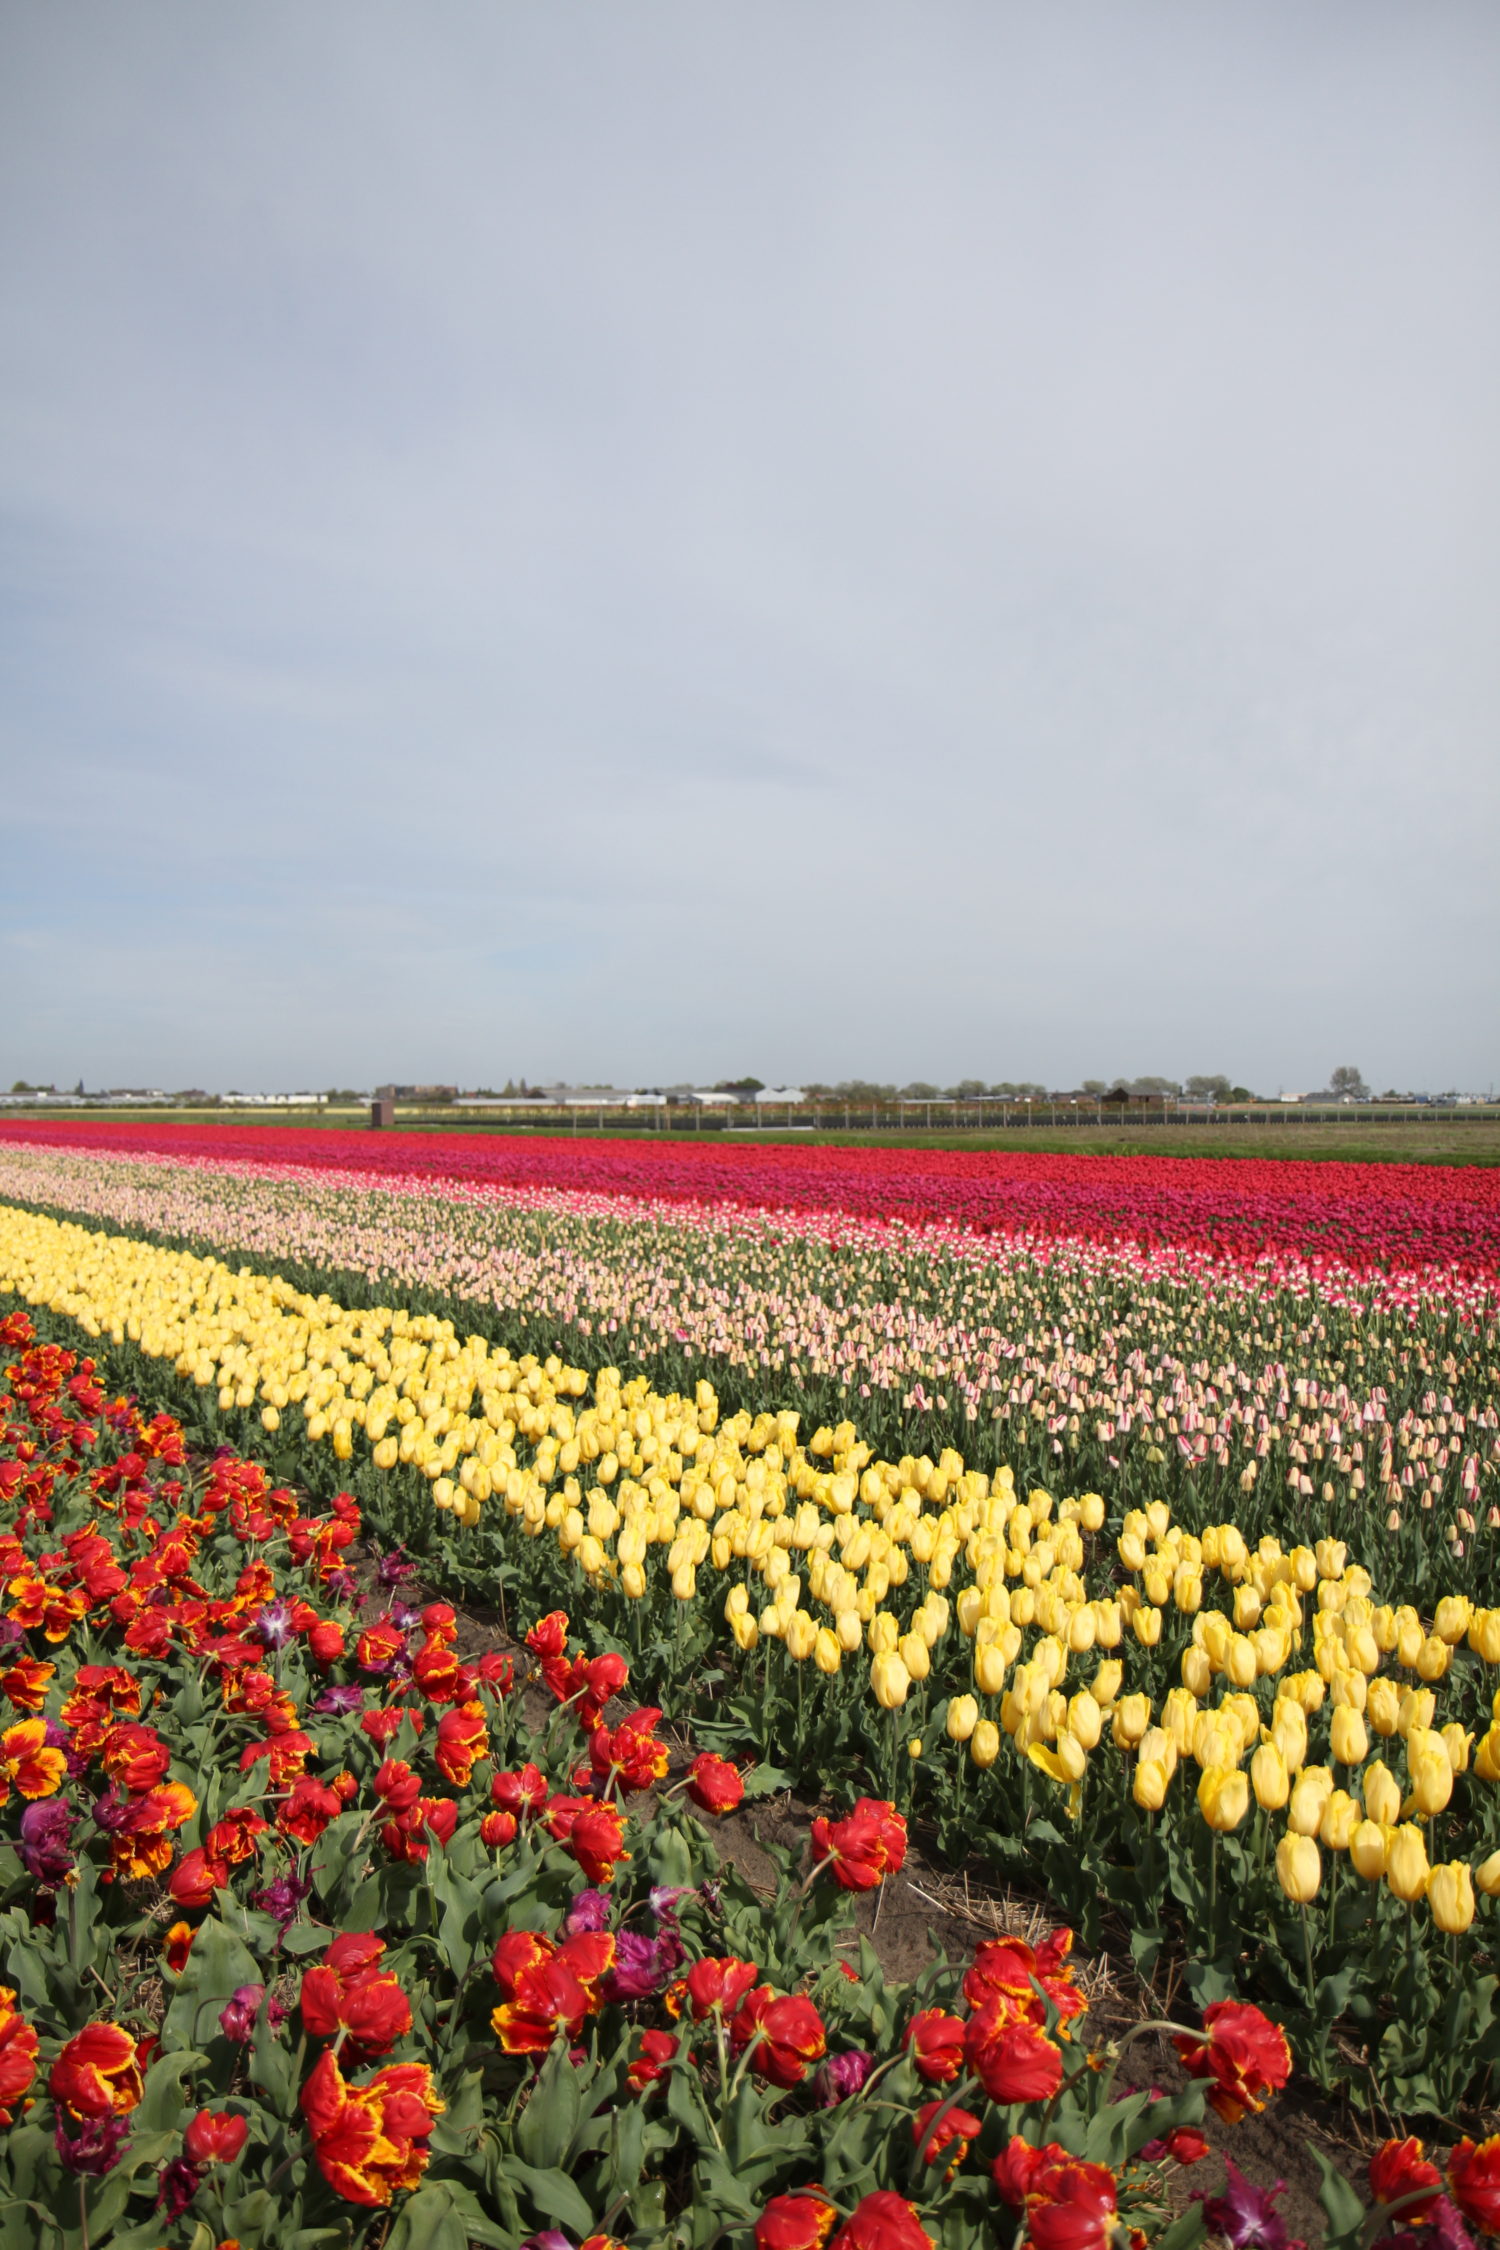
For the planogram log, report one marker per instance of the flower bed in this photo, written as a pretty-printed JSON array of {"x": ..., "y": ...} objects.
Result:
[
  {"x": 1124, "y": 1722},
  {"x": 314, "y": 1940}
]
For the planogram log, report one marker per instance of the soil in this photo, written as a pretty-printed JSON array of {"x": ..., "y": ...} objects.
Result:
[{"x": 930, "y": 1910}]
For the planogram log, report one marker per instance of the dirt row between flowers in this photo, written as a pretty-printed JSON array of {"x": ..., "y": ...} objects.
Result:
[{"x": 930, "y": 1910}]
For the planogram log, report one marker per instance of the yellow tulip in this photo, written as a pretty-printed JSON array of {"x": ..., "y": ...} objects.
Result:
[
  {"x": 1406, "y": 1867},
  {"x": 1341, "y": 1816},
  {"x": 1383, "y": 1708},
  {"x": 1132, "y": 1716},
  {"x": 1146, "y": 1625},
  {"x": 1299, "y": 1867},
  {"x": 1368, "y": 1849},
  {"x": 1107, "y": 1682},
  {"x": 1269, "y": 1778},
  {"x": 1150, "y": 1784},
  {"x": 1289, "y": 1732},
  {"x": 1487, "y": 1874},
  {"x": 1310, "y": 1793},
  {"x": 1450, "y": 1894},
  {"x": 1431, "y": 1775},
  {"x": 890, "y": 1681},
  {"x": 827, "y": 1655},
  {"x": 1197, "y": 1672},
  {"x": 1067, "y": 1762},
  {"x": 1350, "y": 1743},
  {"x": 1382, "y": 1795},
  {"x": 963, "y": 1717},
  {"x": 1223, "y": 1797},
  {"x": 984, "y": 1743}
]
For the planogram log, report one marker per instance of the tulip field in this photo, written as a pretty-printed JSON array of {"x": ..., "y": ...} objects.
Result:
[{"x": 1133, "y": 1527}]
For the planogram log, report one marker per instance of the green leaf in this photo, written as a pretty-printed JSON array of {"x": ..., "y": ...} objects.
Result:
[
  {"x": 1341, "y": 2206},
  {"x": 766, "y": 1781},
  {"x": 554, "y": 2197},
  {"x": 1185, "y": 2231},
  {"x": 428, "y": 2221},
  {"x": 550, "y": 2118},
  {"x": 162, "y": 2100}
]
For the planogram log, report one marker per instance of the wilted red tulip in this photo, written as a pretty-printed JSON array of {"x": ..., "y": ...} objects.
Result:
[
  {"x": 1011, "y": 2057},
  {"x": 714, "y": 1784},
  {"x": 935, "y": 2042},
  {"x": 864, "y": 1847},
  {"x": 882, "y": 2221},
  {"x": 98, "y": 2073},
  {"x": 1243, "y": 2052},
  {"x": 783, "y": 2032},
  {"x": 370, "y": 2141},
  {"x": 1474, "y": 2182},
  {"x": 802, "y": 2220},
  {"x": 1401, "y": 2168}
]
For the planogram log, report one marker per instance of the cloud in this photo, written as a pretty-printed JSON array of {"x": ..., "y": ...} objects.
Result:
[{"x": 929, "y": 543}]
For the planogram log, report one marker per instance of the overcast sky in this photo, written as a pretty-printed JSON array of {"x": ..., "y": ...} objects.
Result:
[{"x": 658, "y": 541}]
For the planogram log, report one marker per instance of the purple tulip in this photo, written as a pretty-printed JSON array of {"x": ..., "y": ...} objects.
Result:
[
  {"x": 1246, "y": 2215},
  {"x": 282, "y": 1899},
  {"x": 841, "y": 2076},
  {"x": 237, "y": 2016},
  {"x": 179, "y": 2183},
  {"x": 641, "y": 1966},
  {"x": 551, "y": 2240},
  {"x": 112, "y": 1813},
  {"x": 589, "y": 1911},
  {"x": 43, "y": 1847},
  {"x": 96, "y": 2146},
  {"x": 392, "y": 1568},
  {"x": 341, "y": 1700},
  {"x": 274, "y": 1624},
  {"x": 663, "y": 1901}
]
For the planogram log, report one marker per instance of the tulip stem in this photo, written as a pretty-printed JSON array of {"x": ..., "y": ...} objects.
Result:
[
  {"x": 83, "y": 2213},
  {"x": 1307, "y": 1961}
]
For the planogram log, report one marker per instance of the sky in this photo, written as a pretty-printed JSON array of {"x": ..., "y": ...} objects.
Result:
[{"x": 640, "y": 544}]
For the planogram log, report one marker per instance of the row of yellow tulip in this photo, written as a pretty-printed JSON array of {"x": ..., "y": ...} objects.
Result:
[{"x": 818, "y": 1540}]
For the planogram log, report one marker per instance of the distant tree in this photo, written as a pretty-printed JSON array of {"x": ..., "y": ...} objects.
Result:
[
  {"x": 863, "y": 1090},
  {"x": 1154, "y": 1086},
  {"x": 1095, "y": 1086},
  {"x": 920, "y": 1091},
  {"x": 1240, "y": 1094},
  {"x": 1347, "y": 1084},
  {"x": 967, "y": 1089},
  {"x": 740, "y": 1086},
  {"x": 1216, "y": 1089},
  {"x": 1020, "y": 1090}
]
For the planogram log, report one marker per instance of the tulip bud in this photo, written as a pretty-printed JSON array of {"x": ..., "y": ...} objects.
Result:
[
  {"x": 963, "y": 1717},
  {"x": 1132, "y": 1716},
  {"x": 890, "y": 1681},
  {"x": 1197, "y": 1672},
  {"x": 827, "y": 1655},
  {"x": 1146, "y": 1625},
  {"x": 1289, "y": 1732},
  {"x": 1299, "y": 1867},
  {"x": 1150, "y": 1784},
  {"x": 1382, "y": 1794},
  {"x": 984, "y": 1743},
  {"x": 1341, "y": 1817},
  {"x": 1085, "y": 1720},
  {"x": 1406, "y": 1867},
  {"x": 1223, "y": 1797},
  {"x": 1310, "y": 1793},
  {"x": 1269, "y": 1778},
  {"x": 1350, "y": 1743},
  {"x": 1368, "y": 1849},
  {"x": 1431, "y": 1776},
  {"x": 1107, "y": 1683},
  {"x": 1458, "y": 1745},
  {"x": 1487, "y": 1876},
  {"x": 1450, "y": 1894}
]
